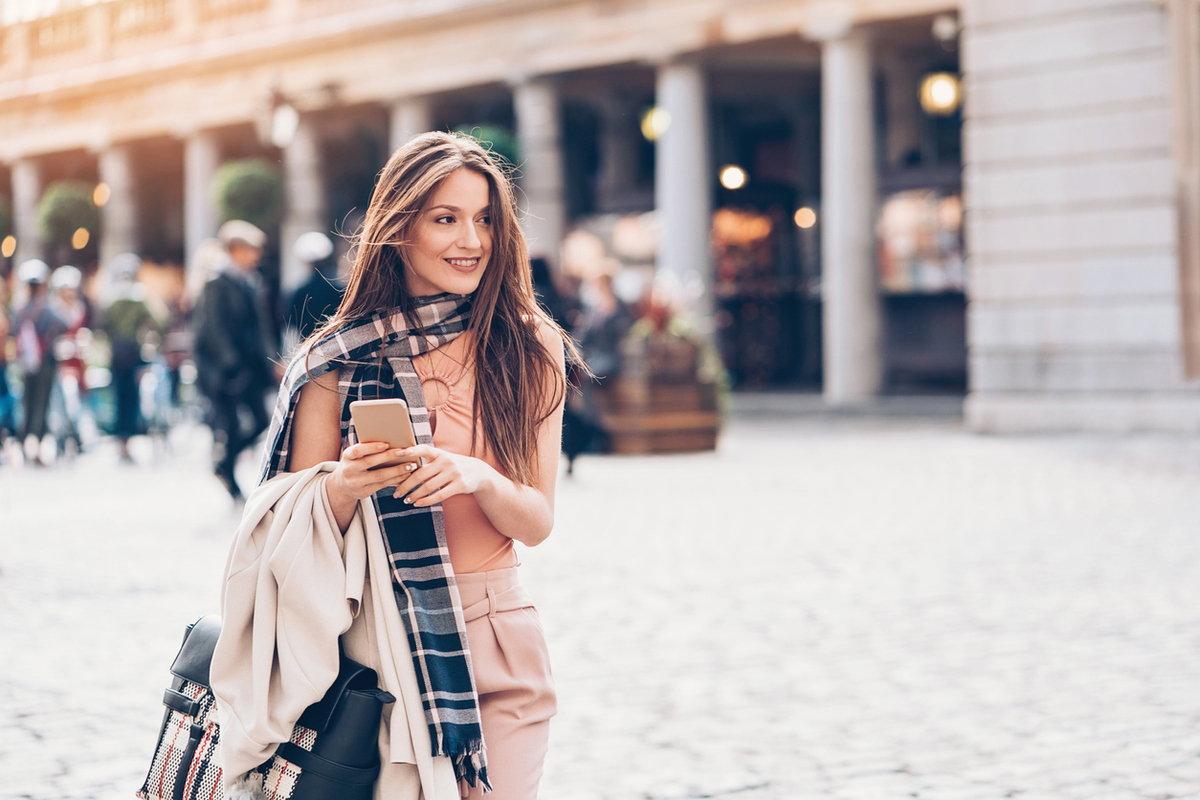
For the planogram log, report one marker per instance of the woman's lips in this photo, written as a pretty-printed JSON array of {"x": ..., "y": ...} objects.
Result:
[{"x": 463, "y": 264}]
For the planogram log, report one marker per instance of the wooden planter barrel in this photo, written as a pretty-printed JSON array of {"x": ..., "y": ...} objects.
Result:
[{"x": 658, "y": 405}]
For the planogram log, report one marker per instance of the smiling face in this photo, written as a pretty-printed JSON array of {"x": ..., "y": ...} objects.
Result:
[{"x": 451, "y": 241}]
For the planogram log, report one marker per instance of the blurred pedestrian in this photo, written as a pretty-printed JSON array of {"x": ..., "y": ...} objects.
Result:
[
  {"x": 603, "y": 324},
  {"x": 234, "y": 369},
  {"x": 318, "y": 297},
  {"x": 71, "y": 305},
  {"x": 126, "y": 319},
  {"x": 37, "y": 328},
  {"x": 8, "y": 426},
  {"x": 546, "y": 290}
]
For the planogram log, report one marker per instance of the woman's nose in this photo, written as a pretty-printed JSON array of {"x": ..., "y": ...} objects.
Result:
[{"x": 468, "y": 237}]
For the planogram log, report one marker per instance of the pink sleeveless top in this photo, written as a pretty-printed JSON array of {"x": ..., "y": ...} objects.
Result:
[{"x": 474, "y": 543}]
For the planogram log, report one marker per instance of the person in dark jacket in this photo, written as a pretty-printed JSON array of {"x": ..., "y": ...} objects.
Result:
[
  {"x": 234, "y": 369},
  {"x": 318, "y": 297}
]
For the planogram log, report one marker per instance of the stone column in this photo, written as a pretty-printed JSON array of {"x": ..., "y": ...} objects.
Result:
[
  {"x": 201, "y": 157},
  {"x": 543, "y": 196},
  {"x": 852, "y": 312},
  {"x": 409, "y": 116},
  {"x": 118, "y": 217},
  {"x": 683, "y": 187},
  {"x": 27, "y": 190},
  {"x": 305, "y": 192}
]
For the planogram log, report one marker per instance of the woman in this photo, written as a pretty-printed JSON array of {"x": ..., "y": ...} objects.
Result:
[{"x": 440, "y": 311}]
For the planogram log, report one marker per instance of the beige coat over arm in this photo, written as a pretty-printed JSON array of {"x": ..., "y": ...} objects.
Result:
[{"x": 294, "y": 583}]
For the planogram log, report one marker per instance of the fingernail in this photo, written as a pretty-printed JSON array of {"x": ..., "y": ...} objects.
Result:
[
  {"x": 408, "y": 500},
  {"x": 410, "y": 466}
]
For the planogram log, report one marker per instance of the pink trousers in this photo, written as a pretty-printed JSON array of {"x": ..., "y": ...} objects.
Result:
[{"x": 512, "y": 676}]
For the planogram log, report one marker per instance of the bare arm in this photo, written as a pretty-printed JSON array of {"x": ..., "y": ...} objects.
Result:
[{"x": 524, "y": 513}]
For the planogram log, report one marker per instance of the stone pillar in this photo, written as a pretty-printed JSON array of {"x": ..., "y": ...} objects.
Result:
[
  {"x": 118, "y": 217},
  {"x": 543, "y": 194},
  {"x": 852, "y": 312},
  {"x": 201, "y": 157},
  {"x": 27, "y": 190},
  {"x": 409, "y": 116},
  {"x": 305, "y": 191},
  {"x": 683, "y": 187}
]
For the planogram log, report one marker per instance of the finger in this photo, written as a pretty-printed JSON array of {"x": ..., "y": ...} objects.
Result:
[
  {"x": 427, "y": 452},
  {"x": 412, "y": 478},
  {"x": 357, "y": 451},
  {"x": 433, "y": 498},
  {"x": 390, "y": 458}
]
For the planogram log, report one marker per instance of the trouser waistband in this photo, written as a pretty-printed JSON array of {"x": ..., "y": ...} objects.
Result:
[{"x": 489, "y": 593}]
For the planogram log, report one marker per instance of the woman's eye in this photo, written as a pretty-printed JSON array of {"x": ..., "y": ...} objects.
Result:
[
  {"x": 445, "y": 219},
  {"x": 485, "y": 220}
]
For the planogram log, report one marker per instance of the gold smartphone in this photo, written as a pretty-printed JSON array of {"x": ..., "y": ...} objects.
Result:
[{"x": 384, "y": 421}]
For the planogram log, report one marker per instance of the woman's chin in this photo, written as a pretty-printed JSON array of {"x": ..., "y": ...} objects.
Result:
[{"x": 455, "y": 285}]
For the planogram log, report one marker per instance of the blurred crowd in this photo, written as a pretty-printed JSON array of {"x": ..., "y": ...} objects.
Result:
[{"x": 84, "y": 357}]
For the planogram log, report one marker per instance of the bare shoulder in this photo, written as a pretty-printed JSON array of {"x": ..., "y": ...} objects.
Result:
[
  {"x": 316, "y": 428},
  {"x": 321, "y": 390},
  {"x": 551, "y": 338}
]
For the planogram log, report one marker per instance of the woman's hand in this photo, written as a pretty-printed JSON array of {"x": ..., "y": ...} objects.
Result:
[
  {"x": 443, "y": 475},
  {"x": 354, "y": 476}
]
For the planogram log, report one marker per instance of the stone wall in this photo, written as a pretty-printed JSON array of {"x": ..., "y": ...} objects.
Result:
[{"x": 1074, "y": 319}]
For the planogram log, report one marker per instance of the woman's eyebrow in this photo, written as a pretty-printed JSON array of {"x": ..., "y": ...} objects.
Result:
[{"x": 454, "y": 208}]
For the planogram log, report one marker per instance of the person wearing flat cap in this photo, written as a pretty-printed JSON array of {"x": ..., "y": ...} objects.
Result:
[
  {"x": 234, "y": 369},
  {"x": 37, "y": 328}
]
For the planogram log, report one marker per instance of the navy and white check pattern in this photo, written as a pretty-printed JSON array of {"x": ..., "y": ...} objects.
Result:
[{"x": 373, "y": 359}]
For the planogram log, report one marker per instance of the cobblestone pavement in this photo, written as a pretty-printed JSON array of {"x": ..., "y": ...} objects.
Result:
[{"x": 856, "y": 609}]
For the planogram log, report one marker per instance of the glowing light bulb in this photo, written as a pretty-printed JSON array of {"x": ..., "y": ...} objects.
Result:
[
  {"x": 941, "y": 93},
  {"x": 80, "y": 238},
  {"x": 805, "y": 217},
  {"x": 733, "y": 177},
  {"x": 655, "y": 123}
]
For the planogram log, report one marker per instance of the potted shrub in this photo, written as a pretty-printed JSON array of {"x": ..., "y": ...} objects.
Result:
[
  {"x": 66, "y": 208},
  {"x": 666, "y": 398},
  {"x": 249, "y": 189}
]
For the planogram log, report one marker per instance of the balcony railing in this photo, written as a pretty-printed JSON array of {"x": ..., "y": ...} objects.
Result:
[
  {"x": 131, "y": 19},
  {"x": 62, "y": 33},
  {"x": 82, "y": 35}
]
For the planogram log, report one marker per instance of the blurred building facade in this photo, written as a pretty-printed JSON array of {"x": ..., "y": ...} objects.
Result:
[{"x": 831, "y": 210}]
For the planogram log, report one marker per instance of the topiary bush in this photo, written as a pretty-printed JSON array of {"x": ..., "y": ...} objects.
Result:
[
  {"x": 249, "y": 189},
  {"x": 65, "y": 207}
]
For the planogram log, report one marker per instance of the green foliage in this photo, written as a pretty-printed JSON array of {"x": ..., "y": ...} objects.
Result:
[
  {"x": 5, "y": 219},
  {"x": 497, "y": 139},
  {"x": 65, "y": 207},
  {"x": 249, "y": 189}
]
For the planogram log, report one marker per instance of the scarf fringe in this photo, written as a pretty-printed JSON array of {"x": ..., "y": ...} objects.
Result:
[{"x": 470, "y": 769}]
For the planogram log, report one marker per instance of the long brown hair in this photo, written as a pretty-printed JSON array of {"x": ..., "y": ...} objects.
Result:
[{"x": 517, "y": 381}]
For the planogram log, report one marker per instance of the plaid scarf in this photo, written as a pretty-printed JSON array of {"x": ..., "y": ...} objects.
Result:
[{"x": 373, "y": 357}]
